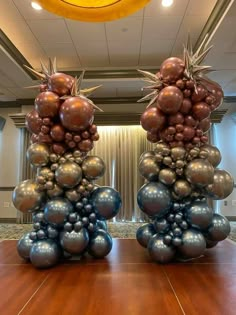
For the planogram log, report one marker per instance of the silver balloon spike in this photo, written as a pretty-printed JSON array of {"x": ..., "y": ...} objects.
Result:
[{"x": 156, "y": 85}]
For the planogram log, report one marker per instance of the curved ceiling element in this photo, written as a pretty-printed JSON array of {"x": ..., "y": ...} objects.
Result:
[{"x": 93, "y": 11}]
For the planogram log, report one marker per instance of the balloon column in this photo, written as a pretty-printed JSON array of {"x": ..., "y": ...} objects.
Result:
[
  {"x": 181, "y": 173},
  {"x": 69, "y": 210}
]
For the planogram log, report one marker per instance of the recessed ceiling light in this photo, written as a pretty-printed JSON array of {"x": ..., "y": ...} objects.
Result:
[
  {"x": 167, "y": 3},
  {"x": 35, "y": 5}
]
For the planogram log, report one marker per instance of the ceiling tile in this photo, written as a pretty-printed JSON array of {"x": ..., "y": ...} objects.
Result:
[
  {"x": 9, "y": 11},
  {"x": 123, "y": 53},
  {"x": 33, "y": 52},
  {"x": 93, "y": 54},
  {"x": 200, "y": 7},
  {"x": 165, "y": 27},
  {"x": 24, "y": 7},
  {"x": 127, "y": 29},
  {"x": 104, "y": 91},
  {"x": 24, "y": 93},
  {"x": 155, "y": 8},
  {"x": 6, "y": 92},
  {"x": 65, "y": 53},
  {"x": 5, "y": 81},
  {"x": 155, "y": 52},
  {"x": 50, "y": 31},
  {"x": 17, "y": 31},
  {"x": 81, "y": 32}
]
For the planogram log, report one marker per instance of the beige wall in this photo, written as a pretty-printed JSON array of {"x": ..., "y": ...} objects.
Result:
[{"x": 9, "y": 162}]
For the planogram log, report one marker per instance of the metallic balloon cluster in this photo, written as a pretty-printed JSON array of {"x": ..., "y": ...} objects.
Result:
[
  {"x": 181, "y": 173},
  {"x": 69, "y": 210}
]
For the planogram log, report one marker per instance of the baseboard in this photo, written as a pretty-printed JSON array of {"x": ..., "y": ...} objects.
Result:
[
  {"x": 7, "y": 220},
  {"x": 231, "y": 218}
]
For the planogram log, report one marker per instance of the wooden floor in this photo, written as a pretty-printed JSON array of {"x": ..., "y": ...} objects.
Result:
[{"x": 125, "y": 283}]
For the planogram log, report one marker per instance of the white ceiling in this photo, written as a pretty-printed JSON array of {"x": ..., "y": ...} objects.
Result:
[{"x": 142, "y": 40}]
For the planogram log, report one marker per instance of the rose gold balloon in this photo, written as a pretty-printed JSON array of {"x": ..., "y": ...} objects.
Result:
[
  {"x": 60, "y": 83},
  {"x": 57, "y": 133},
  {"x": 186, "y": 106},
  {"x": 170, "y": 130},
  {"x": 95, "y": 137},
  {"x": 68, "y": 136},
  {"x": 43, "y": 87},
  {"x": 47, "y": 121},
  {"x": 175, "y": 119},
  {"x": 44, "y": 138},
  {"x": 205, "y": 124},
  {"x": 215, "y": 90},
  {"x": 199, "y": 94},
  {"x": 201, "y": 111},
  {"x": 179, "y": 136},
  {"x": 188, "y": 133},
  {"x": 152, "y": 137},
  {"x": 190, "y": 121},
  {"x": 85, "y": 135},
  {"x": 190, "y": 84},
  {"x": 76, "y": 113},
  {"x": 170, "y": 99},
  {"x": 33, "y": 122},
  {"x": 34, "y": 138},
  {"x": 77, "y": 138},
  {"x": 187, "y": 93},
  {"x": 85, "y": 145},
  {"x": 172, "y": 69},
  {"x": 93, "y": 129},
  {"x": 71, "y": 144},
  {"x": 47, "y": 104},
  {"x": 59, "y": 148},
  {"x": 153, "y": 119},
  {"x": 204, "y": 139},
  {"x": 179, "y": 128},
  {"x": 45, "y": 129},
  {"x": 180, "y": 84}
]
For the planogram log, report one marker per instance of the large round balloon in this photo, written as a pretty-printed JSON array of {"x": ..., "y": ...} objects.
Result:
[
  {"x": 38, "y": 154},
  {"x": 57, "y": 210},
  {"x": 214, "y": 156},
  {"x": 93, "y": 167},
  {"x": 154, "y": 199},
  {"x": 170, "y": 99},
  {"x": 106, "y": 202},
  {"x": 26, "y": 197},
  {"x": 193, "y": 244},
  {"x": 100, "y": 244},
  {"x": 68, "y": 175},
  {"x": 33, "y": 122},
  {"x": 75, "y": 242},
  {"x": 172, "y": 69},
  {"x": 60, "y": 83},
  {"x": 200, "y": 172},
  {"x": 144, "y": 233},
  {"x": 159, "y": 251},
  {"x": 149, "y": 168},
  {"x": 24, "y": 246},
  {"x": 199, "y": 214},
  {"x": 76, "y": 113},
  {"x": 45, "y": 253},
  {"x": 219, "y": 228},
  {"x": 47, "y": 104},
  {"x": 153, "y": 119},
  {"x": 222, "y": 186}
]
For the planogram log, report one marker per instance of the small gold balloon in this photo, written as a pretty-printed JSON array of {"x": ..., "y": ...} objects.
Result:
[
  {"x": 178, "y": 153},
  {"x": 214, "y": 156},
  {"x": 167, "y": 176},
  {"x": 182, "y": 188},
  {"x": 199, "y": 172},
  {"x": 38, "y": 154},
  {"x": 222, "y": 185}
]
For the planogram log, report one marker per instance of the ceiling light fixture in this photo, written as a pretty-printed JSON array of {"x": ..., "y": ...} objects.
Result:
[
  {"x": 167, "y": 3},
  {"x": 36, "y": 6},
  {"x": 93, "y": 10}
]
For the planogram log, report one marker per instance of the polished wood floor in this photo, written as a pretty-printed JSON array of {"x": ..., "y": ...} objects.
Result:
[{"x": 125, "y": 283}]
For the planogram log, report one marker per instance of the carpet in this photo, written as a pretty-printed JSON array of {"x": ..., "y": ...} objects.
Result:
[{"x": 117, "y": 230}]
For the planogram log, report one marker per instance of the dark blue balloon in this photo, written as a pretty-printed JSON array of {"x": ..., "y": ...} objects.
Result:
[
  {"x": 154, "y": 199},
  {"x": 100, "y": 244},
  {"x": 106, "y": 202},
  {"x": 144, "y": 233}
]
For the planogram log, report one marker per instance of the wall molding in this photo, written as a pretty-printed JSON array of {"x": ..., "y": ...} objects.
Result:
[{"x": 7, "y": 188}]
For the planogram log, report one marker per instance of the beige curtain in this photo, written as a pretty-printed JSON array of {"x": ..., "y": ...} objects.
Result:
[
  {"x": 120, "y": 147},
  {"x": 26, "y": 171}
]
